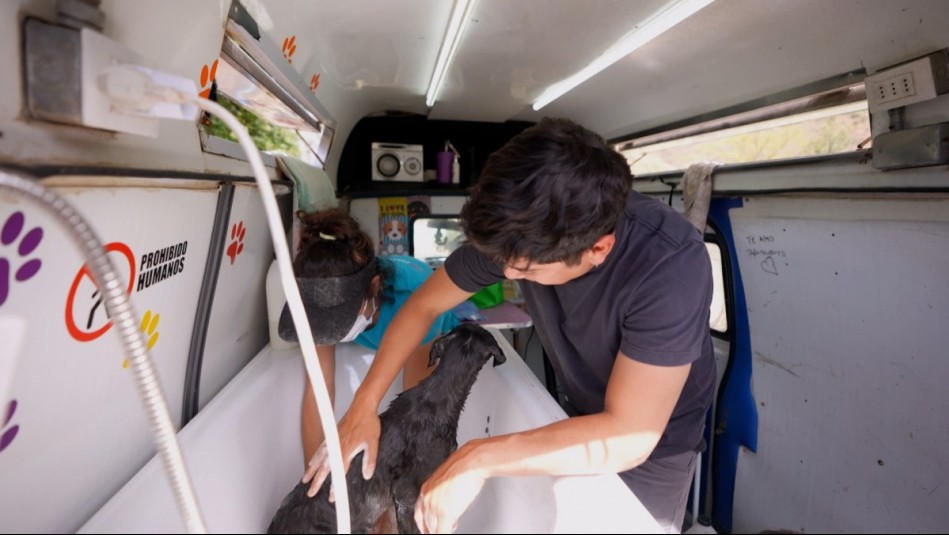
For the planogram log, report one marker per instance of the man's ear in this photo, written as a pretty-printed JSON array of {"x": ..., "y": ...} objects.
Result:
[{"x": 601, "y": 249}]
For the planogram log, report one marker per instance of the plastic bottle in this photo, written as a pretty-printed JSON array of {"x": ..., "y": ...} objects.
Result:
[
  {"x": 275, "y": 302},
  {"x": 455, "y": 166}
]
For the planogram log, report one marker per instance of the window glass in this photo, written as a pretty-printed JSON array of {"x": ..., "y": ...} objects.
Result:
[
  {"x": 830, "y": 130},
  {"x": 274, "y": 127},
  {"x": 718, "y": 319},
  {"x": 434, "y": 238}
]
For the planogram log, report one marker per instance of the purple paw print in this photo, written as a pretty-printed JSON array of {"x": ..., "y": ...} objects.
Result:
[
  {"x": 7, "y": 437},
  {"x": 9, "y": 233}
]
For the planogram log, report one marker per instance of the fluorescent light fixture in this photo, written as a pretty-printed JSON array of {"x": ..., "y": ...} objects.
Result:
[
  {"x": 460, "y": 15},
  {"x": 667, "y": 17}
]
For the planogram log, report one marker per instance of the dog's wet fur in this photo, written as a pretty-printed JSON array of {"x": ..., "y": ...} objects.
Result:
[{"x": 419, "y": 431}]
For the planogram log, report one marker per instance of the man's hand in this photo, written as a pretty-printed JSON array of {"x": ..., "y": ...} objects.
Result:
[
  {"x": 447, "y": 494},
  {"x": 359, "y": 431}
]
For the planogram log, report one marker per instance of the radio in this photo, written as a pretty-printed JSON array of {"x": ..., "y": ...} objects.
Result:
[{"x": 397, "y": 162}]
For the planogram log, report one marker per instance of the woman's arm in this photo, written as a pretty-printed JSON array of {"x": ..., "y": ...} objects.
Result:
[
  {"x": 416, "y": 368},
  {"x": 359, "y": 428}
]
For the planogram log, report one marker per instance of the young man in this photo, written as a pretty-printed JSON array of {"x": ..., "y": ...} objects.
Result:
[{"x": 618, "y": 286}]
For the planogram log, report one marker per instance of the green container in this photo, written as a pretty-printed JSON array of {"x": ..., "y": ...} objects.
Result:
[{"x": 488, "y": 296}]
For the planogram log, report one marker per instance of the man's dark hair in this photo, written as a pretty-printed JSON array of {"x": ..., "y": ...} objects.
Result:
[{"x": 547, "y": 195}]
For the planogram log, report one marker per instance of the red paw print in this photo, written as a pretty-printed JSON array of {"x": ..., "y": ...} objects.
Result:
[
  {"x": 207, "y": 77},
  {"x": 314, "y": 82},
  {"x": 289, "y": 47},
  {"x": 237, "y": 241}
]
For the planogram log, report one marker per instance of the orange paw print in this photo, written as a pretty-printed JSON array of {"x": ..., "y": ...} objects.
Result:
[
  {"x": 289, "y": 47},
  {"x": 237, "y": 241},
  {"x": 149, "y": 326},
  {"x": 314, "y": 82},
  {"x": 207, "y": 77}
]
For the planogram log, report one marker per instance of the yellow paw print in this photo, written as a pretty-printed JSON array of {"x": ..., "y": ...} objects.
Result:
[{"x": 150, "y": 328}]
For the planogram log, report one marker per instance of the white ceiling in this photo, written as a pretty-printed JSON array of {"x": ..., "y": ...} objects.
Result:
[{"x": 381, "y": 54}]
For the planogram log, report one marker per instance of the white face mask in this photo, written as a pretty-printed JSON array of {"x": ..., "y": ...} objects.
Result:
[{"x": 361, "y": 323}]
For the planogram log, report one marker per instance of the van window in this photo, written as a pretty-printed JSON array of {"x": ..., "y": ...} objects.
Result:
[
  {"x": 253, "y": 80},
  {"x": 717, "y": 319},
  {"x": 433, "y": 237},
  {"x": 274, "y": 127},
  {"x": 802, "y": 128}
]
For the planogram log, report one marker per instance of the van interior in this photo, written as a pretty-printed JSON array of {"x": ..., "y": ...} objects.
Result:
[{"x": 145, "y": 233}]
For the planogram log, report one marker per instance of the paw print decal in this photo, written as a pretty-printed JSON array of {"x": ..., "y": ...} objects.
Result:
[
  {"x": 149, "y": 326},
  {"x": 237, "y": 241},
  {"x": 314, "y": 82},
  {"x": 9, "y": 433},
  {"x": 15, "y": 265},
  {"x": 208, "y": 75},
  {"x": 289, "y": 47}
]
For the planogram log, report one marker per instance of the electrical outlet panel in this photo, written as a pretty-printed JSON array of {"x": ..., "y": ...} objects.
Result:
[{"x": 901, "y": 85}]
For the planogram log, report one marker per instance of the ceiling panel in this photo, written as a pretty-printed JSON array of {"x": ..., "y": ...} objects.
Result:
[
  {"x": 379, "y": 54},
  {"x": 513, "y": 50}
]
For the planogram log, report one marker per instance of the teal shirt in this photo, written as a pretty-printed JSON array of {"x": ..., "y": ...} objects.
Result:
[{"x": 406, "y": 274}]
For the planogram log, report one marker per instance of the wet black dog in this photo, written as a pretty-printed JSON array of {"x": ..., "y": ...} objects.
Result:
[{"x": 419, "y": 431}]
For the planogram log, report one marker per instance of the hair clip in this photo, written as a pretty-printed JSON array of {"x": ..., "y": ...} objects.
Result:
[{"x": 327, "y": 236}]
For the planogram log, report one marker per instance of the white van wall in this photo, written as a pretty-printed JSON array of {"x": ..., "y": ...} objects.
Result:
[
  {"x": 145, "y": 27},
  {"x": 77, "y": 431},
  {"x": 845, "y": 305}
]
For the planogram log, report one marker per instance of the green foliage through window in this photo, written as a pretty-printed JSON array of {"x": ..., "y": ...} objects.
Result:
[
  {"x": 267, "y": 137},
  {"x": 829, "y": 131}
]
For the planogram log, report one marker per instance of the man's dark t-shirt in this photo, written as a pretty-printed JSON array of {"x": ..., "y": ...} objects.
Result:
[{"x": 649, "y": 301}]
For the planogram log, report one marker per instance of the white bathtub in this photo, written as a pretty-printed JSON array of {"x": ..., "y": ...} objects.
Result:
[{"x": 243, "y": 453}]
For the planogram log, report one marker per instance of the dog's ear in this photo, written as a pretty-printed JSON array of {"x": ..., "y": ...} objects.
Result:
[
  {"x": 496, "y": 352},
  {"x": 438, "y": 349}
]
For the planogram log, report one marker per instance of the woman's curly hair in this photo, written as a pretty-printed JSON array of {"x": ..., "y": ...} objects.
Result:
[{"x": 332, "y": 244}]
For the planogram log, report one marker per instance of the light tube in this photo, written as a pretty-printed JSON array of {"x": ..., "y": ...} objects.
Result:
[
  {"x": 460, "y": 15},
  {"x": 664, "y": 19}
]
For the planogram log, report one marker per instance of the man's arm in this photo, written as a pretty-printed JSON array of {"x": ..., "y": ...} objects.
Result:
[
  {"x": 359, "y": 428},
  {"x": 639, "y": 401},
  {"x": 408, "y": 328}
]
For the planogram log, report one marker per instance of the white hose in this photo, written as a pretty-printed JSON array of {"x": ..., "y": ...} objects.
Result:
[
  {"x": 295, "y": 303},
  {"x": 125, "y": 320}
]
